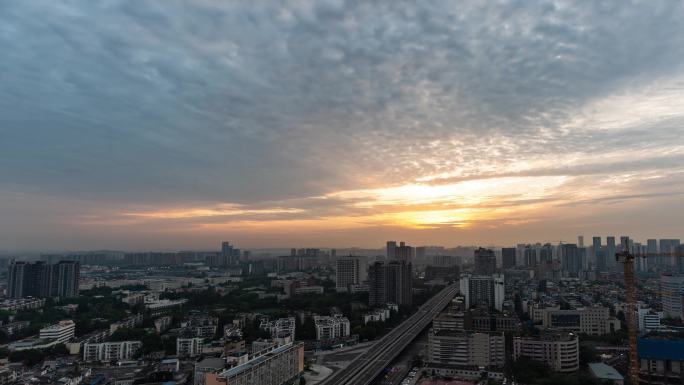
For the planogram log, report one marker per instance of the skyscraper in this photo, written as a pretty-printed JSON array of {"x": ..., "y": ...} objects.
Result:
[
  {"x": 508, "y": 257},
  {"x": 229, "y": 254},
  {"x": 530, "y": 256},
  {"x": 348, "y": 271},
  {"x": 570, "y": 259},
  {"x": 546, "y": 254},
  {"x": 485, "y": 261},
  {"x": 404, "y": 253},
  {"x": 595, "y": 245},
  {"x": 391, "y": 249},
  {"x": 390, "y": 282},
  {"x": 580, "y": 240},
  {"x": 610, "y": 253},
  {"x": 652, "y": 259},
  {"x": 668, "y": 249}
]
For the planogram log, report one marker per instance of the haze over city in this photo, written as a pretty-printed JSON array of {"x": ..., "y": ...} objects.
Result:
[{"x": 175, "y": 125}]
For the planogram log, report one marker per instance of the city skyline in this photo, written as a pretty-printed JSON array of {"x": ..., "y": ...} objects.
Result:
[{"x": 135, "y": 126}]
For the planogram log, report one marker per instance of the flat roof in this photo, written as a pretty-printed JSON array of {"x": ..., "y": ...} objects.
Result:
[
  {"x": 605, "y": 372},
  {"x": 661, "y": 349},
  {"x": 255, "y": 361}
]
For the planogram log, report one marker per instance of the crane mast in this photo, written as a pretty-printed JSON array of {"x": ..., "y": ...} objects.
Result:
[{"x": 627, "y": 260}]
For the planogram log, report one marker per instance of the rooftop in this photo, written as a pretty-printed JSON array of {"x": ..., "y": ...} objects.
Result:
[{"x": 605, "y": 372}]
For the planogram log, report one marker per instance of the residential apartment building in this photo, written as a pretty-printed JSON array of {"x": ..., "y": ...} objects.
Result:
[
  {"x": 279, "y": 366},
  {"x": 189, "y": 347},
  {"x": 347, "y": 272},
  {"x": 463, "y": 348},
  {"x": 390, "y": 282},
  {"x": 331, "y": 328},
  {"x": 61, "y": 332},
  {"x": 483, "y": 290},
  {"x": 111, "y": 351},
  {"x": 672, "y": 294},
  {"x": 279, "y": 328}
]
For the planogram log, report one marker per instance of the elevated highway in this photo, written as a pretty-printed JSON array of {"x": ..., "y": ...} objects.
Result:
[{"x": 367, "y": 366}]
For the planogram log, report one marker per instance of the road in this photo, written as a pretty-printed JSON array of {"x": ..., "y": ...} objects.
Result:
[{"x": 367, "y": 366}]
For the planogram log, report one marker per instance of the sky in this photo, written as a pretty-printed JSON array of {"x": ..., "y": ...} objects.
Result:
[{"x": 177, "y": 124}]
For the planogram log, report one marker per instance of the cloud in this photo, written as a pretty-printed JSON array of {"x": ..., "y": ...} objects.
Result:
[{"x": 298, "y": 105}]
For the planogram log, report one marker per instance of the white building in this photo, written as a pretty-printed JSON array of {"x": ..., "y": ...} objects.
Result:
[
  {"x": 558, "y": 350},
  {"x": 111, "y": 351},
  {"x": 463, "y": 348},
  {"x": 189, "y": 347},
  {"x": 486, "y": 290},
  {"x": 279, "y": 366},
  {"x": 648, "y": 320},
  {"x": 378, "y": 315},
  {"x": 60, "y": 332},
  {"x": 672, "y": 291},
  {"x": 279, "y": 327},
  {"x": 330, "y": 328},
  {"x": 347, "y": 273}
]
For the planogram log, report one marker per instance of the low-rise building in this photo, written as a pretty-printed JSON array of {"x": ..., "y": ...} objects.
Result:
[
  {"x": 279, "y": 366},
  {"x": 189, "y": 347},
  {"x": 606, "y": 373},
  {"x": 280, "y": 327},
  {"x": 111, "y": 351},
  {"x": 462, "y": 348},
  {"x": 559, "y": 350},
  {"x": 661, "y": 361},
  {"x": 61, "y": 332},
  {"x": 593, "y": 320},
  {"x": 331, "y": 328},
  {"x": 207, "y": 365},
  {"x": 163, "y": 324},
  {"x": 129, "y": 323}
]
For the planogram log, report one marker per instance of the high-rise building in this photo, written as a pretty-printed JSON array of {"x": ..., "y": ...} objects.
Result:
[
  {"x": 652, "y": 259},
  {"x": 404, "y": 253},
  {"x": 391, "y": 250},
  {"x": 598, "y": 254},
  {"x": 668, "y": 250},
  {"x": 672, "y": 294},
  {"x": 483, "y": 290},
  {"x": 530, "y": 256},
  {"x": 546, "y": 254},
  {"x": 508, "y": 257},
  {"x": 595, "y": 245},
  {"x": 580, "y": 240},
  {"x": 445, "y": 261},
  {"x": 66, "y": 278},
  {"x": 348, "y": 272},
  {"x": 610, "y": 253},
  {"x": 229, "y": 254},
  {"x": 39, "y": 279},
  {"x": 570, "y": 259},
  {"x": 485, "y": 261},
  {"x": 390, "y": 282},
  {"x": 420, "y": 253}
]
